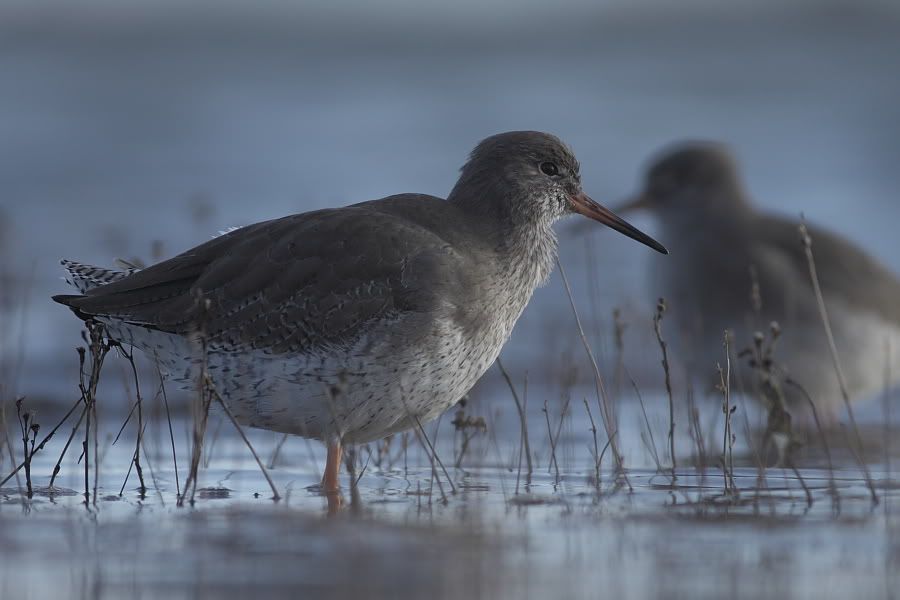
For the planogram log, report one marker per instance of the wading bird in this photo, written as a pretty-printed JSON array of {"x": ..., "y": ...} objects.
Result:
[
  {"x": 739, "y": 268},
  {"x": 350, "y": 324}
]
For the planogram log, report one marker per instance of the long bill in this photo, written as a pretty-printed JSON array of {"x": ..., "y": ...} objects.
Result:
[{"x": 582, "y": 204}]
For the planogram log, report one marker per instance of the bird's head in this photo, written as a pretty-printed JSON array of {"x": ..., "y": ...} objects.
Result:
[
  {"x": 691, "y": 179},
  {"x": 529, "y": 177}
]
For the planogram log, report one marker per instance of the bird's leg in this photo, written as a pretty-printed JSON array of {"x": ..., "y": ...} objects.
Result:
[
  {"x": 330, "y": 482},
  {"x": 330, "y": 479}
]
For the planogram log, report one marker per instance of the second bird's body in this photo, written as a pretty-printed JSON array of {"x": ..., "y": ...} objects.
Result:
[{"x": 739, "y": 268}]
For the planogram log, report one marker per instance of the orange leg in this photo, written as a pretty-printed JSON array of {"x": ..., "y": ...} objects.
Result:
[{"x": 330, "y": 480}]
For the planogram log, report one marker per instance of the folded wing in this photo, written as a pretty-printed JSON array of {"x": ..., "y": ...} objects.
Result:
[{"x": 294, "y": 284}]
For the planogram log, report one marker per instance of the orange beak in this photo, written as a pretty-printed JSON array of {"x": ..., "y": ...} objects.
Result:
[{"x": 582, "y": 204}]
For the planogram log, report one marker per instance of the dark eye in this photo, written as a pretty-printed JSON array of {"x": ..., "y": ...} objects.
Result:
[{"x": 549, "y": 169}]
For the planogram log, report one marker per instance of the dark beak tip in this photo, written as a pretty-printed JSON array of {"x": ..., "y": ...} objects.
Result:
[{"x": 583, "y": 204}]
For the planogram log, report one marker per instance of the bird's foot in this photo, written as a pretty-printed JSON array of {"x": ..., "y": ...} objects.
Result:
[{"x": 334, "y": 497}]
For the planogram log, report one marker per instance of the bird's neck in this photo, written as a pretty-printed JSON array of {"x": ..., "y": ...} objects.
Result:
[
  {"x": 527, "y": 254},
  {"x": 720, "y": 220},
  {"x": 524, "y": 242}
]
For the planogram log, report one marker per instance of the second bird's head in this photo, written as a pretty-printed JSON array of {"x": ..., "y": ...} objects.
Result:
[
  {"x": 688, "y": 181},
  {"x": 530, "y": 177}
]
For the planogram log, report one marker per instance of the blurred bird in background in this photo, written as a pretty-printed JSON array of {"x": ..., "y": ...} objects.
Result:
[{"x": 735, "y": 267}]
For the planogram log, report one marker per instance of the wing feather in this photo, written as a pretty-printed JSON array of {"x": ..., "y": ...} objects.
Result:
[{"x": 292, "y": 284}]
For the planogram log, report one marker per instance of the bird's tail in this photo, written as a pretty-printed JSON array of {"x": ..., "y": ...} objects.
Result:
[{"x": 86, "y": 277}]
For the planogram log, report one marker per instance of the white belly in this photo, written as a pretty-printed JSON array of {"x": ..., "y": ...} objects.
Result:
[{"x": 359, "y": 395}]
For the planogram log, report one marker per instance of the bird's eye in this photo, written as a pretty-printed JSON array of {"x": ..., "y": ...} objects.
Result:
[{"x": 549, "y": 169}]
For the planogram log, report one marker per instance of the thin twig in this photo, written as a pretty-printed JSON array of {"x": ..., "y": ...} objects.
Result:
[
  {"x": 240, "y": 430},
  {"x": 806, "y": 490},
  {"x": 523, "y": 422},
  {"x": 886, "y": 411},
  {"x": 806, "y": 241},
  {"x": 435, "y": 454},
  {"x": 12, "y": 454},
  {"x": 152, "y": 470},
  {"x": 350, "y": 462},
  {"x": 26, "y": 426},
  {"x": 277, "y": 450},
  {"x": 99, "y": 348},
  {"x": 43, "y": 441},
  {"x": 420, "y": 433},
  {"x": 553, "y": 462},
  {"x": 75, "y": 428},
  {"x": 602, "y": 397},
  {"x": 140, "y": 403},
  {"x": 596, "y": 445},
  {"x": 203, "y": 400},
  {"x": 728, "y": 436},
  {"x": 128, "y": 474},
  {"x": 832, "y": 485},
  {"x": 162, "y": 387},
  {"x": 657, "y": 327},
  {"x": 651, "y": 446}
]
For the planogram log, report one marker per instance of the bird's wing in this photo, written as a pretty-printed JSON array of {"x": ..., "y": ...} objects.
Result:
[
  {"x": 297, "y": 284},
  {"x": 843, "y": 269}
]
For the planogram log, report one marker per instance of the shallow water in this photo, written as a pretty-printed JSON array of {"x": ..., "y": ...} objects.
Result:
[{"x": 410, "y": 535}]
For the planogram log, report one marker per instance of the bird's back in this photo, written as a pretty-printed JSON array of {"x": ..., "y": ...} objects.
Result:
[
  {"x": 718, "y": 263},
  {"x": 846, "y": 273},
  {"x": 711, "y": 288},
  {"x": 295, "y": 282}
]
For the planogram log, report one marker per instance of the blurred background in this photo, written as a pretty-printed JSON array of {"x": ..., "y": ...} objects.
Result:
[{"x": 135, "y": 129}]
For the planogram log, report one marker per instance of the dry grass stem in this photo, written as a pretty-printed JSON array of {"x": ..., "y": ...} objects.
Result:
[
  {"x": 728, "y": 436},
  {"x": 212, "y": 390},
  {"x": 12, "y": 454},
  {"x": 596, "y": 450},
  {"x": 553, "y": 461},
  {"x": 162, "y": 388},
  {"x": 435, "y": 478},
  {"x": 131, "y": 465},
  {"x": 695, "y": 430},
  {"x": 29, "y": 429},
  {"x": 523, "y": 423},
  {"x": 657, "y": 328},
  {"x": 887, "y": 417},
  {"x": 277, "y": 450},
  {"x": 75, "y": 428},
  {"x": 98, "y": 347},
  {"x": 602, "y": 397},
  {"x": 129, "y": 356},
  {"x": 468, "y": 426},
  {"x": 201, "y": 404},
  {"x": 44, "y": 441},
  {"x": 619, "y": 339},
  {"x": 832, "y": 484},
  {"x": 433, "y": 453},
  {"x": 350, "y": 459},
  {"x": 646, "y": 437},
  {"x": 806, "y": 242}
]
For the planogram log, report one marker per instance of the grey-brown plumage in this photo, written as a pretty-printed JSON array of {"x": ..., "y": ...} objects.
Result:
[
  {"x": 696, "y": 192},
  {"x": 350, "y": 323}
]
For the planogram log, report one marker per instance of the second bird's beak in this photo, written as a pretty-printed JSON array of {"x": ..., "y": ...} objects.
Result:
[
  {"x": 636, "y": 203},
  {"x": 582, "y": 204}
]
